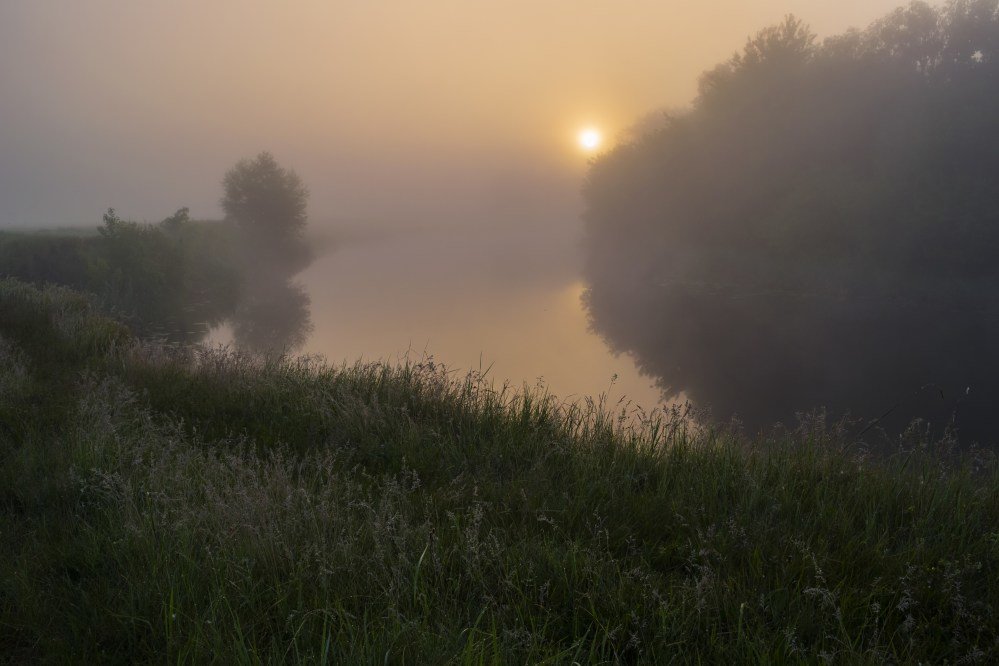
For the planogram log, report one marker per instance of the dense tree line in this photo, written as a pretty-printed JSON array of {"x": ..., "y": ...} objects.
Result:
[{"x": 821, "y": 228}]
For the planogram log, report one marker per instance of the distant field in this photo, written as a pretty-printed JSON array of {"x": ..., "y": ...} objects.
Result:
[{"x": 171, "y": 503}]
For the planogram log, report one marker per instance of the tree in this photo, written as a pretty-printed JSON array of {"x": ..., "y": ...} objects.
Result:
[
  {"x": 173, "y": 279},
  {"x": 767, "y": 60},
  {"x": 820, "y": 229},
  {"x": 267, "y": 203}
]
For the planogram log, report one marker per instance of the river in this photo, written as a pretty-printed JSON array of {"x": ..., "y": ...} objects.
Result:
[{"x": 506, "y": 300}]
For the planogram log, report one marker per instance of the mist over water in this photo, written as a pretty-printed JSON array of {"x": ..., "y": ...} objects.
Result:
[
  {"x": 499, "y": 331},
  {"x": 506, "y": 301},
  {"x": 428, "y": 109},
  {"x": 814, "y": 215}
]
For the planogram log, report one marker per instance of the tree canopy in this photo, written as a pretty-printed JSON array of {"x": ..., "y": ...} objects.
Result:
[
  {"x": 820, "y": 229},
  {"x": 268, "y": 204}
]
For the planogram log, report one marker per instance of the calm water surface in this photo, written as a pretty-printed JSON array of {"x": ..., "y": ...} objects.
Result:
[{"x": 506, "y": 300}]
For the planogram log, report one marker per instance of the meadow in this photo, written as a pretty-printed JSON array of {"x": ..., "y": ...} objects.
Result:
[{"x": 164, "y": 502}]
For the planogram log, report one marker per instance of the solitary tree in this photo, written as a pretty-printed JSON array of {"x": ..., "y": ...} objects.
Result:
[{"x": 267, "y": 203}]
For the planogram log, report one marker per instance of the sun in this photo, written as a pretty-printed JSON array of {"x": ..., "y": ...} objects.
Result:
[{"x": 590, "y": 139}]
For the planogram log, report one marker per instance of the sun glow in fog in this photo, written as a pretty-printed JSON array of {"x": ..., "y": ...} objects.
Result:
[{"x": 590, "y": 139}]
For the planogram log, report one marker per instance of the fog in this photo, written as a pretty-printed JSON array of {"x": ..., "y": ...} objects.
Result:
[
  {"x": 819, "y": 230},
  {"x": 507, "y": 306},
  {"x": 399, "y": 113},
  {"x": 439, "y": 144}
]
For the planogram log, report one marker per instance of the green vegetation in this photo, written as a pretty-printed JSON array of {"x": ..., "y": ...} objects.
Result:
[
  {"x": 820, "y": 228},
  {"x": 267, "y": 204},
  {"x": 175, "y": 279},
  {"x": 59, "y": 257},
  {"x": 180, "y": 278},
  {"x": 178, "y": 504}
]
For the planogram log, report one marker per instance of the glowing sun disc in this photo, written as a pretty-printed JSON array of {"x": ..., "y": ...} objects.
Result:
[{"x": 589, "y": 139}]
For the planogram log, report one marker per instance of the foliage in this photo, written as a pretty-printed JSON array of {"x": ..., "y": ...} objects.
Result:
[
  {"x": 173, "y": 279},
  {"x": 60, "y": 258},
  {"x": 176, "y": 279},
  {"x": 181, "y": 278},
  {"x": 819, "y": 229},
  {"x": 166, "y": 503},
  {"x": 268, "y": 205}
]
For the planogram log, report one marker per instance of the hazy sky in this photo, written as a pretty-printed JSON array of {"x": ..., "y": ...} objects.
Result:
[{"x": 415, "y": 111}]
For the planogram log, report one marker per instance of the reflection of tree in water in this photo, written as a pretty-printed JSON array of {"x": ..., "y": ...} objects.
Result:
[
  {"x": 180, "y": 278},
  {"x": 820, "y": 229},
  {"x": 267, "y": 205},
  {"x": 273, "y": 317}
]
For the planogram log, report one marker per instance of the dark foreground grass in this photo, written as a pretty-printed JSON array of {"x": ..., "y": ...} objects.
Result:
[{"x": 162, "y": 504}]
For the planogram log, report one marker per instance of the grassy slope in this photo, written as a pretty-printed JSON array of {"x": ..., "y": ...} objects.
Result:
[{"x": 163, "y": 504}]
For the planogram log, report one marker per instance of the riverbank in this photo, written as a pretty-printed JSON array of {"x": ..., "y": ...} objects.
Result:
[{"x": 188, "y": 504}]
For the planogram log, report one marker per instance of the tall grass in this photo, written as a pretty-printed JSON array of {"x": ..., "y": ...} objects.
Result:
[{"x": 196, "y": 505}]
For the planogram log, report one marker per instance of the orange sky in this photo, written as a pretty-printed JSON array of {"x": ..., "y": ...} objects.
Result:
[{"x": 389, "y": 109}]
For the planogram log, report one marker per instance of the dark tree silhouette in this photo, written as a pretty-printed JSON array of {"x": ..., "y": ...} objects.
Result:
[
  {"x": 268, "y": 203},
  {"x": 181, "y": 278},
  {"x": 172, "y": 279},
  {"x": 820, "y": 229}
]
